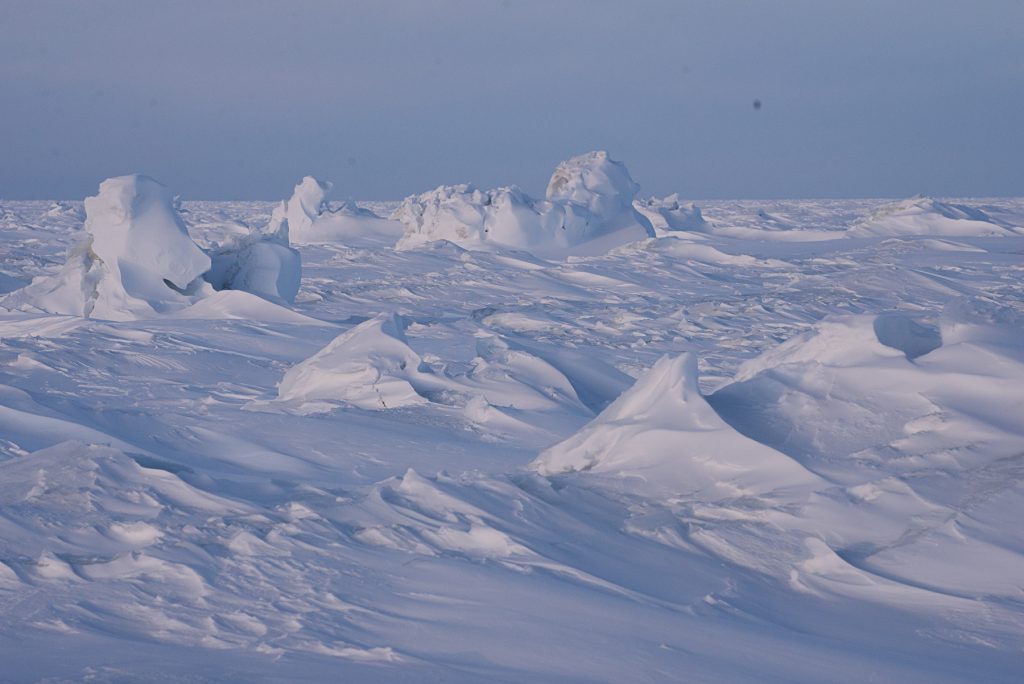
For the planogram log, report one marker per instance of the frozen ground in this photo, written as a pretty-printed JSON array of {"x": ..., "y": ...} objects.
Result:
[{"x": 829, "y": 487}]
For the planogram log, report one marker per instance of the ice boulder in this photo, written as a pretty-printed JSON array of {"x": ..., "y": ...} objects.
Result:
[
  {"x": 588, "y": 210},
  {"x": 137, "y": 258},
  {"x": 311, "y": 220},
  {"x": 670, "y": 214},
  {"x": 662, "y": 439},
  {"x": 261, "y": 262},
  {"x": 596, "y": 194},
  {"x": 927, "y": 216},
  {"x": 370, "y": 366},
  {"x": 475, "y": 218}
]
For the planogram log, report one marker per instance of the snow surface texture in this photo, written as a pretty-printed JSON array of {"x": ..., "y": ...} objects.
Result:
[
  {"x": 752, "y": 452},
  {"x": 588, "y": 210}
]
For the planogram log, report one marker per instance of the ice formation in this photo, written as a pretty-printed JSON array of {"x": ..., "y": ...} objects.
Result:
[
  {"x": 137, "y": 258},
  {"x": 849, "y": 500},
  {"x": 261, "y": 262},
  {"x": 663, "y": 437},
  {"x": 311, "y": 220},
  {"x": 588, "y": 210},
  {"x": 926, "y": 216},
  {"x": 669, "y": 214},
  {"x": 476, "y": 218}
]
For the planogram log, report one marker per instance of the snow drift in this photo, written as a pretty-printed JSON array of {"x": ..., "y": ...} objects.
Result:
[
  {"x": 927, "y": 216},
  {"x": 664, "y": 437},
  {"x": 137, "y": 258},
  {"x": 370, "y": 366},
  {"x": 908, "y": 420},
  {"x": 311, "y": 220},
  {"x": 588, "y": 210}
]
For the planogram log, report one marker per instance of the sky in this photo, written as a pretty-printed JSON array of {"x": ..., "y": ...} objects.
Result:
[{"x": 238, "y": 100}]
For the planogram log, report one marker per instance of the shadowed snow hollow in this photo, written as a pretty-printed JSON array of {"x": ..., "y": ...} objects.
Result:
[
  {"x": 926, "y": 216},
  {"x": 588, "y": 210},
  {"x": 665, "y": 440},
  {"x": 137, "y": 258},
  {"x": 311, "y": 220}
]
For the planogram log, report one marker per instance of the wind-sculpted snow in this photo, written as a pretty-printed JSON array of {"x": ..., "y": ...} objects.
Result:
[
  {"x": 662, "y": 439},
  {"x": 751, "y": 452},
  {"x": 370, "y": 366}
]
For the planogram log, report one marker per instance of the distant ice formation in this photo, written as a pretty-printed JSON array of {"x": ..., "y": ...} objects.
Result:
[
  {"x": 926, "y": 216},
  {"x": 588, "y": 210},
  {"x": 137, "y": 258},
  {"x": 261, "y": 262},
  {"x": 311, "y": 220},
  {"x": 669, "y": 214}
]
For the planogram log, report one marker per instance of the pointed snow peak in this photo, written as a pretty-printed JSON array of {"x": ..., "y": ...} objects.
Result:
[{"x": 662, "y": 438}]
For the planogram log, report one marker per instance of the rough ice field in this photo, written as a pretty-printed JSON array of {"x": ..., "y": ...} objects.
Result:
[{"x": 439, "y": 465}]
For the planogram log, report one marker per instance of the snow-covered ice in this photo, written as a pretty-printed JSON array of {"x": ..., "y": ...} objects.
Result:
[
  {"x": 261, "y": 261},
  {"x": 135, "y": 259},
  {"x": 642, "y": 442},
  {"x": 311, "y": 219},
  {"x": 588, "y": 210}
]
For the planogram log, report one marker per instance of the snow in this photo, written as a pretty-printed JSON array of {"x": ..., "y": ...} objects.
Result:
[
  {"x": 664, "y": 438},
  {"x": 588, "y": 210},
  {"x": 926, "y": 216},
  {"x": 310, "y": 219},
  {"x": 370, "y": 366},
  {"x": 754, "y": 451},
  {"x": 669, "y": 214},
  {"x": 261, "y": 262},
  {"x": 136, "y": 259}
]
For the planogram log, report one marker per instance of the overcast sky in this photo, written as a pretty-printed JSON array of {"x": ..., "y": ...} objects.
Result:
[{"x": 238, "y": 100}]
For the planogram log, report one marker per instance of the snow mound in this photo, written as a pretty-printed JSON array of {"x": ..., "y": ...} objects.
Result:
[
  {"x": 848, "y": 342},
  {"x": 926, "y": 216},
  {"x": 911, "y": 425},
  {"x": 261, "y": 262},
  {"x": 370, "y": 366},
  {"x": 860, "y": 383},
  {"x": 588, "y": 210},
  {"x": 669, "y": 214},
  {"x": 664, "y": 437},
  {"x": 307, "y": 218},
  {"x": 137, "y": 258}
]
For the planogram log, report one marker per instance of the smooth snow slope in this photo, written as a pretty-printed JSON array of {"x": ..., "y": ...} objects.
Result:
[{"x": 760, "y": 453}]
